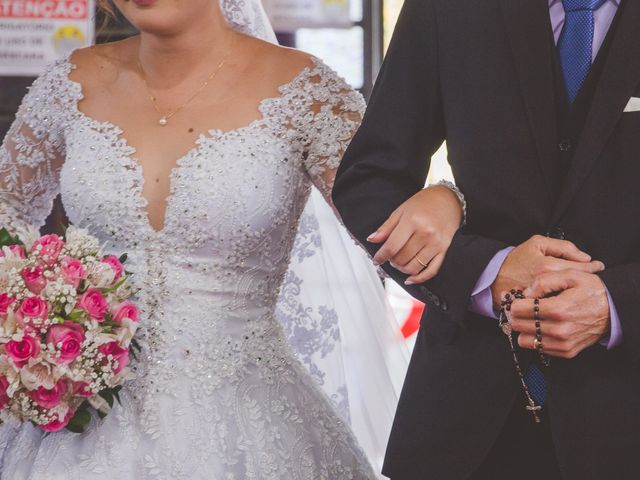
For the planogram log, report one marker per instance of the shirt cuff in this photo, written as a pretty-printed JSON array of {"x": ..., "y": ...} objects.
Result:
[
  {"x": 615, "y": 334},
  {"x": 481, "y": 298}
]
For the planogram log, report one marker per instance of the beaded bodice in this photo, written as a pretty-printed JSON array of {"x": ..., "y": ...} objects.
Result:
[
  {"x": 235, "y": 198},
  {"x": 209, "y": 279}
]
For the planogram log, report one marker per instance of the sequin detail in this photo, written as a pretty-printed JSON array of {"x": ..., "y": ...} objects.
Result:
[{"x": 219, "y": 393}]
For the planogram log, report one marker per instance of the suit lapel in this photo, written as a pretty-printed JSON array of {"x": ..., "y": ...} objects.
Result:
[
  {"x": 528, "y": 26},
  {"x": 618, "y": 81}
]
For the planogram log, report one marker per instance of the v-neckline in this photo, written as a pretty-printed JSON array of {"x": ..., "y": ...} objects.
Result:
[{"x": 210, "y": 135}]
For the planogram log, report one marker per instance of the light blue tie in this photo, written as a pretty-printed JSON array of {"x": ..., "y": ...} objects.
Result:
[{"x": 576, "y": 43}]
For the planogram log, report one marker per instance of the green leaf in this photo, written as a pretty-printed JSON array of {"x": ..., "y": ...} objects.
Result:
[
  {"x": 116, "y": 393},
  {"x": 115, "y": 287},
  {"x": 76, "y": 315},
  {"x": 107, "y": 394},
  {"x": 6, "y": 239},
  {"x": 80, "y": 419},
  {"x": 123, "y": 258},
  {"x": 135, "y": 345}
]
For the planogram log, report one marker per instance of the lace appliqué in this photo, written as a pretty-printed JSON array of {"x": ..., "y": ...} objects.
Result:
[{"x": 219, "y": 393}]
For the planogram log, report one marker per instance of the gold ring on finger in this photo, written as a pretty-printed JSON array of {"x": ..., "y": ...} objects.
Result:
[{"x": 424, "y": 265}]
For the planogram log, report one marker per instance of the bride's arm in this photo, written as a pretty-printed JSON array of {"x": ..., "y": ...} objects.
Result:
[
  {"x": 422, "y": 227},
  {"x": 30, "y": 158}
]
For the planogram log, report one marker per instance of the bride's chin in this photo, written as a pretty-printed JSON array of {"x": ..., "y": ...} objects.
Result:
[
  {"x": 156, "y": 23},
  {"x": 152, "y": 16}
]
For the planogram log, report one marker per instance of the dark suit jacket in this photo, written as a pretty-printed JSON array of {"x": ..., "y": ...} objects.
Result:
[{"x": 480, "y": 75}]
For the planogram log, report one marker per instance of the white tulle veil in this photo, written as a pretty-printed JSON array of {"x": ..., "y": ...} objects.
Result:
[{"x": 333, "y": 305}]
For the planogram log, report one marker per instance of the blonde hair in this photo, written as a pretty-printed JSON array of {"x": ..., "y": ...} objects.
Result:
[{"x": 107, "y": 7}]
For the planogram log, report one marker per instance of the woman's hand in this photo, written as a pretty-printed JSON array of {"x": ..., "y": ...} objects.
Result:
[{"x": 418, "y": 233}]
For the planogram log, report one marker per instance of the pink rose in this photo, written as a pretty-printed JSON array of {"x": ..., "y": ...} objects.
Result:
[
  {"x": 119, "y": 354},
  {"x": 21, "y": 351},
  {"x": 125, "y": 310},
  {"x": 67, "y": 339},
  {"x": 32, "y": 312},
  {"x": 81, "y": 389},
  {"x": 49, "y": 398},
  {"x": 5, "y": 303},
  {"x": 94, "y": 303},
  {"x": 48, "y": 248},
  {"x": 61, "y": 421},
  {"x": 34, "y": 279},
  {"x": 16, "y": 251},
  {"x": 4, "y": 386},
  {"x": 115, "y": 264},
  {"x": 73, "y": 271}
]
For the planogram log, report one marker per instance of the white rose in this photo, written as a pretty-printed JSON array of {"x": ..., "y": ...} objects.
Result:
[
  {"x": 37, "y": 375},
  {"x": 29, "y": 235},
  {"x": 99, "y": 403},
  {"x": 101, "y": 275},
  {"x": 126, "y": 332},
  {"x": 8, "y": 327}
]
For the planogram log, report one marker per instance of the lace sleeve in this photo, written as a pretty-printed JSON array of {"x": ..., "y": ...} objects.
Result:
[
  {"x": 336, "y": 113},
  {"x": 32, "y": 154}
]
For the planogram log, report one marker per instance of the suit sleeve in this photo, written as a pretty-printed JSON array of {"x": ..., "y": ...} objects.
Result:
[
  {"x": 623, "y": 286},
  {"x": 389, "y": 158}
]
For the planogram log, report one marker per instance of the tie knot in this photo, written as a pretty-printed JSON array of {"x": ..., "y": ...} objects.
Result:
[{"x": 577, "y": 5}]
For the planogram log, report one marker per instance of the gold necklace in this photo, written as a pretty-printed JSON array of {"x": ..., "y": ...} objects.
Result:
[{"x": 164, "y": 117}]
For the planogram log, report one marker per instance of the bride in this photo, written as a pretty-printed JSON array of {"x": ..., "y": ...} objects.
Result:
[{"x": 208, "y": 218}]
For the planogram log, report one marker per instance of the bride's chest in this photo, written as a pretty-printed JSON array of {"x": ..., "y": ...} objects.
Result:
[{"x": 240, "y": 183}]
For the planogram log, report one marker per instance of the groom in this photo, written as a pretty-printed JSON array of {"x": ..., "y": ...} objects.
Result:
[{"x": 538, "y": 103}]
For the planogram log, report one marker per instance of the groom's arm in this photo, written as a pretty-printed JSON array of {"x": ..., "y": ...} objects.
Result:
[
  {"x": 389, "y": 158},
  {"x": 623, "y": 286}
]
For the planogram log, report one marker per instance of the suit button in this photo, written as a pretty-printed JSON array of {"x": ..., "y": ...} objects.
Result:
[
  {"x": 565, "y": 145},
  {"x": 444, "y": 306},
  {"x": 436, "y": 301}
]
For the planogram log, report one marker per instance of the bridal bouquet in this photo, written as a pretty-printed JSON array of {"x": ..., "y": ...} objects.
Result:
[{"x": 66, "y": 329}]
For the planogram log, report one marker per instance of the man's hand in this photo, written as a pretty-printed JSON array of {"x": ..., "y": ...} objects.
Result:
[
  {"x": 537, "y": 256},
  {"x": 417, "y": 235},
  {"x": 576, "y": 318}
]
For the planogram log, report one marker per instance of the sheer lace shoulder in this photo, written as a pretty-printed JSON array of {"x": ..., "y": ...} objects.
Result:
[
  {"x": 327, "y": 114},
  {"x": 33, "y": 150}
]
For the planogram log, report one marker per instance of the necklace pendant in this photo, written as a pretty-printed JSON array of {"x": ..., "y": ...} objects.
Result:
[{"x": 163, "y": 121}]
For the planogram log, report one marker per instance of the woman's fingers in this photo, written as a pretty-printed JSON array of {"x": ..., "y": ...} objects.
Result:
[
  {"x": 396, "y": 241},
  {"x": 382, "y": 234},
  {"x": 417, "y": 250},
  {"x": 428, "y": 273}
]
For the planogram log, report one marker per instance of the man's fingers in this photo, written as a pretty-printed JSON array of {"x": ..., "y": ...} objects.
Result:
[
  {"x": 428, "y": 273},
  {"x": 563, "y": 249},
  {"x": 382, "y": 234},
  {"x": 557, "y": 265},
  {"x": 550, "y": 346},
  {"x": 549, "y": 309},
  {"x": 521, "y": 309},
  {"x": 553, "y": 282}
]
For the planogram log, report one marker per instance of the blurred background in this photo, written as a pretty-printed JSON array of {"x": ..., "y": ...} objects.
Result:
[{"x": 351, "y": 36}]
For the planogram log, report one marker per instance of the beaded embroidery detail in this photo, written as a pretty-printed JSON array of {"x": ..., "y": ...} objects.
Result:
[{"x": 219, "y": 393}]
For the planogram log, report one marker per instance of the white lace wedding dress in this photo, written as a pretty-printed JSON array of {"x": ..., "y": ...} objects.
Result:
[{"x": 219, "y": 393}]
